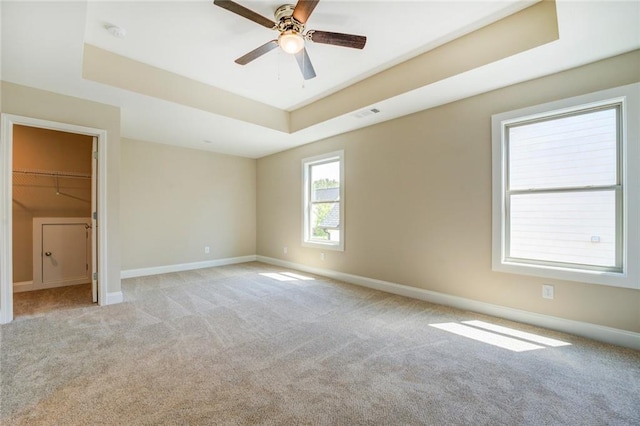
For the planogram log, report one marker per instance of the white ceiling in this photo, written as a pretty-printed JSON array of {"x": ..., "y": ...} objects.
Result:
[
  {"x": 201, "y": 41},
  {"x": 42, "y": 47}
]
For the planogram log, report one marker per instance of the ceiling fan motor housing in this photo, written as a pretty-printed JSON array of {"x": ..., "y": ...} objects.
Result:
[
  {"x": 286, "y": 21},
  {"x": 284, "y": 11}
]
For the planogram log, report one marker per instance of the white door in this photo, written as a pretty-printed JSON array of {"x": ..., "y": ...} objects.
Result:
[{"x": 65, "y": 254}]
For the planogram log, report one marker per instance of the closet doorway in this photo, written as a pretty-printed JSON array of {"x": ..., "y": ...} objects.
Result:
[
  {"x": 52, "y": 242},
  {"x": 52, "y": 205}
]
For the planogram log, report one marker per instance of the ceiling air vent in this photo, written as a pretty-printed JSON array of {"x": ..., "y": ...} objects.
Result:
[{"x": 366, "y": 112}]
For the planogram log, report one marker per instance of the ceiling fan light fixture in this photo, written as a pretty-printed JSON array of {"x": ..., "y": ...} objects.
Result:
[{"x": 291, "y": 42}]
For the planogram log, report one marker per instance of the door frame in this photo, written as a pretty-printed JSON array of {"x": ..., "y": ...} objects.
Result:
[{"x": 6, "y": 205}]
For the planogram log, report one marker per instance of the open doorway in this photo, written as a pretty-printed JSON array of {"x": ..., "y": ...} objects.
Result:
[
  {"x": 52, "y": 205},
  {"x": 55, "y": 194}
]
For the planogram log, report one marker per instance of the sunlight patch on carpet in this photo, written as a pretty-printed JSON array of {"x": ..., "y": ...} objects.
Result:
[
  {"x": 494, "y": 339},
  {"x": 519, "y": 334},
  {"x": 276, "y": 276},
  {"x": 286, "y": 276},
  {"x": 297, "y": 276}
]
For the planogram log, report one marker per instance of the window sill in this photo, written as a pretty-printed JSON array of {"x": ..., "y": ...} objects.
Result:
[
  {"x": 323, "y": 246},
  {"x": 612, "y": 279}
]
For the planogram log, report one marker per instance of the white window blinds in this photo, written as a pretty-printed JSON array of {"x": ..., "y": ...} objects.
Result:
[{"x": 563, "y": 191}]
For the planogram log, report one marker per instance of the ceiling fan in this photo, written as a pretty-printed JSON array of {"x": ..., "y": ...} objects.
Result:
[{"x": 290, "y": 24}]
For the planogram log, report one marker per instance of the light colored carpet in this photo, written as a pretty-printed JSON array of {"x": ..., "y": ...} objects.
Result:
[
  {"x": 229, "y": 346},
  {"x": 38, "y": 302}
]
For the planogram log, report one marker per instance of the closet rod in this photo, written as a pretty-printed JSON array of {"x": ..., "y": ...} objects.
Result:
[{"x": 53, "y": 174}]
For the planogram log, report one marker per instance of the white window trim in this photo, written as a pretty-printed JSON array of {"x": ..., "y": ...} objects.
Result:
[
  {"x": 629, "y": 97},
  {"x": 306, "y": 188}
]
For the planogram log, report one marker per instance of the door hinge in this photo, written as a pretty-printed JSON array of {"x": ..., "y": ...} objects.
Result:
[
  {"x": 95, "y": 154},
  {"x": 95, "y": 276},
  {"x": 95, "y": 215}
]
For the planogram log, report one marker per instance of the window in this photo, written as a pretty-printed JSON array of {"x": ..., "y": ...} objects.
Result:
[
  {"x": 566, "y": 189},
  {"x": 323, "y": 208},
  {"x": 563, "y": 190}
]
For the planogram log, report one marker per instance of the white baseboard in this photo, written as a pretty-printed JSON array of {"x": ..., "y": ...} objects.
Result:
[
  {"x": 23, "y": 286},
  {"x": 30, "y": 286},
  {"x": 156, "y": 270},
  {"x": 114, "y": 298},
  {"x": 601, "y": 333}
]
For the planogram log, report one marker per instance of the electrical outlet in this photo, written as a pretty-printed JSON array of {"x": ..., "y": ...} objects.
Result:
[
  {"x": 321, "y": 256},
  {"x": 285, "y": 250},
  {"x": 207, "y": 249},
  {"x": 547, "y": 291}
]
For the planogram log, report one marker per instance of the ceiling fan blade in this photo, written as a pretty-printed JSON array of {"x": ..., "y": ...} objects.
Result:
[
  {"x": 305, "y": 64},
  {"x": 256, "y": 53},
  {"x": 245, "y": 13},
  {"x": 338, "y": 39},
  {"x": 303, "y": 10}
]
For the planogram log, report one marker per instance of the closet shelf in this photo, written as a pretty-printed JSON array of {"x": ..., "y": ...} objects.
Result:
[{"x": 48, "y": 173}]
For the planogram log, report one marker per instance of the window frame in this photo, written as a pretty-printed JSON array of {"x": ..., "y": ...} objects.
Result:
[
  {"x": 307, "y": 164},
  {"x": 627, "y": 198}
]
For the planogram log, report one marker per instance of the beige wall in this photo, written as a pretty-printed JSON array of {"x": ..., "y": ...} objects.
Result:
[
  {"x": 418, "y": 202},
  {"x": 31, "y": 102},
  {"x": 175, "y": 201},
  {"x": 22, "y": 245},
  {"x": 46, "y": 150}
]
